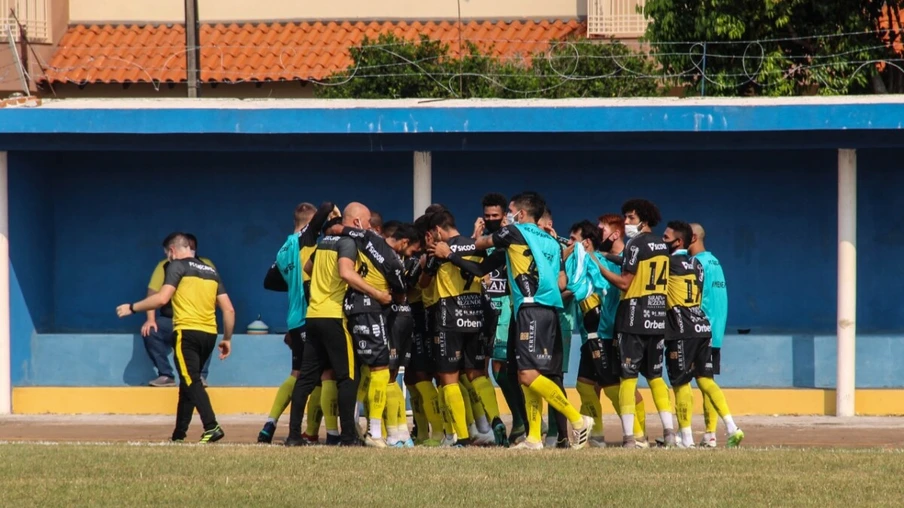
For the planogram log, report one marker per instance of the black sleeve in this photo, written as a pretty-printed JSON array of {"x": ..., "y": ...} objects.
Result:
[
  {"x": 412, "y": 271},
  {"x": 274, "y": 280},
  {"x": 489, "y": 263},
  {"x": 312, "y": 231},
  {"x": 506, "y": 237},
  {"x": 174, "y": 272}
]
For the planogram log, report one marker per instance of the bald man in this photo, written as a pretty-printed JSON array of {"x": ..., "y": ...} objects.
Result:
[
  {"x": 328, "y": 353},
  {"x": 715, "y": 306}
]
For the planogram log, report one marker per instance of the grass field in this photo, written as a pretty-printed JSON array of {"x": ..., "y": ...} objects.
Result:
[{"x": 248, "y": 475}]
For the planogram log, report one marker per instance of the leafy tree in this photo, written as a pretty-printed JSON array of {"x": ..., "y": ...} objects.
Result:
[
  {"x": 391, "y": 67},
  {"x": 770, "y": 47}
]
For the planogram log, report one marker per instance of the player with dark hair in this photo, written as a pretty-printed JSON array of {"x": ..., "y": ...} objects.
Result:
[
  {"x": 460, "y": 352},
  {"x": 536, "y": 279},
  {"x": 640, "y": 323},
  {"x": 425, "y": 398},
  {"x": 688, "y": 337},
  {"x": 599, "y": 369},
  {"x": 196, "y": 290},
  {"x": 495, "y": 280},
  {"x": 376, "y": 222}
]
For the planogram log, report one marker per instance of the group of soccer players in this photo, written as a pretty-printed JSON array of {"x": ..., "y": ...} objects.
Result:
[{"x": 367, "y": 299}]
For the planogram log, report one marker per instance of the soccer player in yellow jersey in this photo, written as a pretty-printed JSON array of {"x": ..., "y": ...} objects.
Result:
[
  {"x": 195, "y": 290},
  {"x": 689, "y": 336},
  {"x": 460, "y": 346},
  {"x": 640, "y": 322}
]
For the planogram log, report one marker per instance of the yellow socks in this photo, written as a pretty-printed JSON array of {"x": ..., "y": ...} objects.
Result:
[
  {"x": 432, "y": 409},
  {"x": 627, "y": 405},
  {"x": 487, "y": 395},
  {"x": 420, "y": 416},
  {"x": 663, "y": 402},
  {"x": 590, "y": 406},
  {"x": 640, "y": 416},
  {"x": 556, "y": 398},
  {"x": 393, "y": 399},
  {"x": 444, "y": 410},
  {"x": 329, "y": 402},
  {"x": 533, "y": 402},
  {"x": 473, "y": 407},
  {"x": 376, "y": 398},
  {"x": 711, "y": 390},
  {"x": 283, "y": 398},
  {"x": 710, "y": 415},
  {"x": 455, "y": 403},
  {"x": 684, "y": 403},
  {"x": 315, "y": 411}
]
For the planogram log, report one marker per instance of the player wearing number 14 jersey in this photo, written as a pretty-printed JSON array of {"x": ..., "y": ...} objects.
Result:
[{"x": 640, "y": 322}]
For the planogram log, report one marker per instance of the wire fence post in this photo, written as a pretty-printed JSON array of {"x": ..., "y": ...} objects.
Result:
[{"x": 703, "y": 86}]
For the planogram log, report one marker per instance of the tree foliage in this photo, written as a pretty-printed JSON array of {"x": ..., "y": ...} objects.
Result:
[
  {"x": 775, "y": 47},
  {"x": 391, "y": 67}
]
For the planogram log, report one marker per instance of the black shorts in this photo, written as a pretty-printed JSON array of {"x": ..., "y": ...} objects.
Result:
[
  {"x": 717, "y": 360},
  {"x": 456, "y": 351},
  {"x": 421, "y": 342},
  {"x": 687, "y": 359},
  {"x": 538, "y": 340},
  {"x": 640, "y": 354},
  {"x": 599, "y": 362},
  {"x": 370, "y": 337},
  {"x": 401, "y": 329},
  {"x": 297, "y": 338},
  {"x": 328, "y": 347}
]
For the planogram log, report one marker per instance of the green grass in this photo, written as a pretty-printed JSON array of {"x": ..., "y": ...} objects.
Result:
[{"x": 124, "y": 475}]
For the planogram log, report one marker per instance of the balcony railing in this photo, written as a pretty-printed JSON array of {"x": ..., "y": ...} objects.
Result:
[
  {"x": 34, "y": 15},
  {"x": 615, "y": 18}
]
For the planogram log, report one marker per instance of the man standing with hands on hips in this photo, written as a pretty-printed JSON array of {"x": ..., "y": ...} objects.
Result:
[{"x": 195, "y": 290}]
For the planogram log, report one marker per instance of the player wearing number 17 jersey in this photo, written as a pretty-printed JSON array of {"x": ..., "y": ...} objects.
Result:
[
  {"x": 640, "y": 322},
  {"x": 688, "y": 336}
]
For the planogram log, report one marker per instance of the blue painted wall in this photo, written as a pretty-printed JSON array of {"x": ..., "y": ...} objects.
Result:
[
  {"x": 754, "y": 361},
  {"x": 97, "y": 219}
]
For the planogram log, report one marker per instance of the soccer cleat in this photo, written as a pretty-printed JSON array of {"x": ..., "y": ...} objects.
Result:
[
  {"x": 333, "y": 439},
  {"x": 735, "y": 439},
  {"x": 708, "y": 443},
  {"x": 462, "y": 443},
  {"x": 642, "y": 442},
  {"x": 528, "y": 445},
  {"x": 296, "y": 440},
  {"x": 484, "y": 438},
  {"x": 518, "y": 434},
  {"x": 629, "y": 442},
  {"x": 162, "y": 381},
  {"x": 449, "y": 440},
  {"x": 213, "y": 435},
  {"x": 408, "y": 443},
  {"x": 563, "y": 444},
  {"x": 499, "y": 432},
  {"x": 670, "y": 438},
  {"x": 597, "y": 442},
  {"x": 681, "y": 444},
  {"x": 309, "y": 438},
  {"x": 431, "y": 443},
  {"x": 266, "y": 434},
  {"x": 549, "y": 441},
  {"x": 375, "y": 442},
  {"x": 580, "y": 436}
]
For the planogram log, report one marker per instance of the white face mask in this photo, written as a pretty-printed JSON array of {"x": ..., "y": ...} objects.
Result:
[
  {"x": 510, "y": 218},
  {"x": 632, "y": 230}
]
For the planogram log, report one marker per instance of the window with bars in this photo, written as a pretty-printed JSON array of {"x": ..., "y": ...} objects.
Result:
[
  {"x": 615, "y": 18},
  {"x": 33, "y": 15}
]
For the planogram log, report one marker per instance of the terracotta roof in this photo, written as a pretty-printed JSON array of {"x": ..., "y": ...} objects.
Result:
[{"x": 268, "y": 51}]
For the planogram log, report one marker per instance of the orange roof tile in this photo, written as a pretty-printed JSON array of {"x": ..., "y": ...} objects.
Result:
[{"x": 269, "y": 51}]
